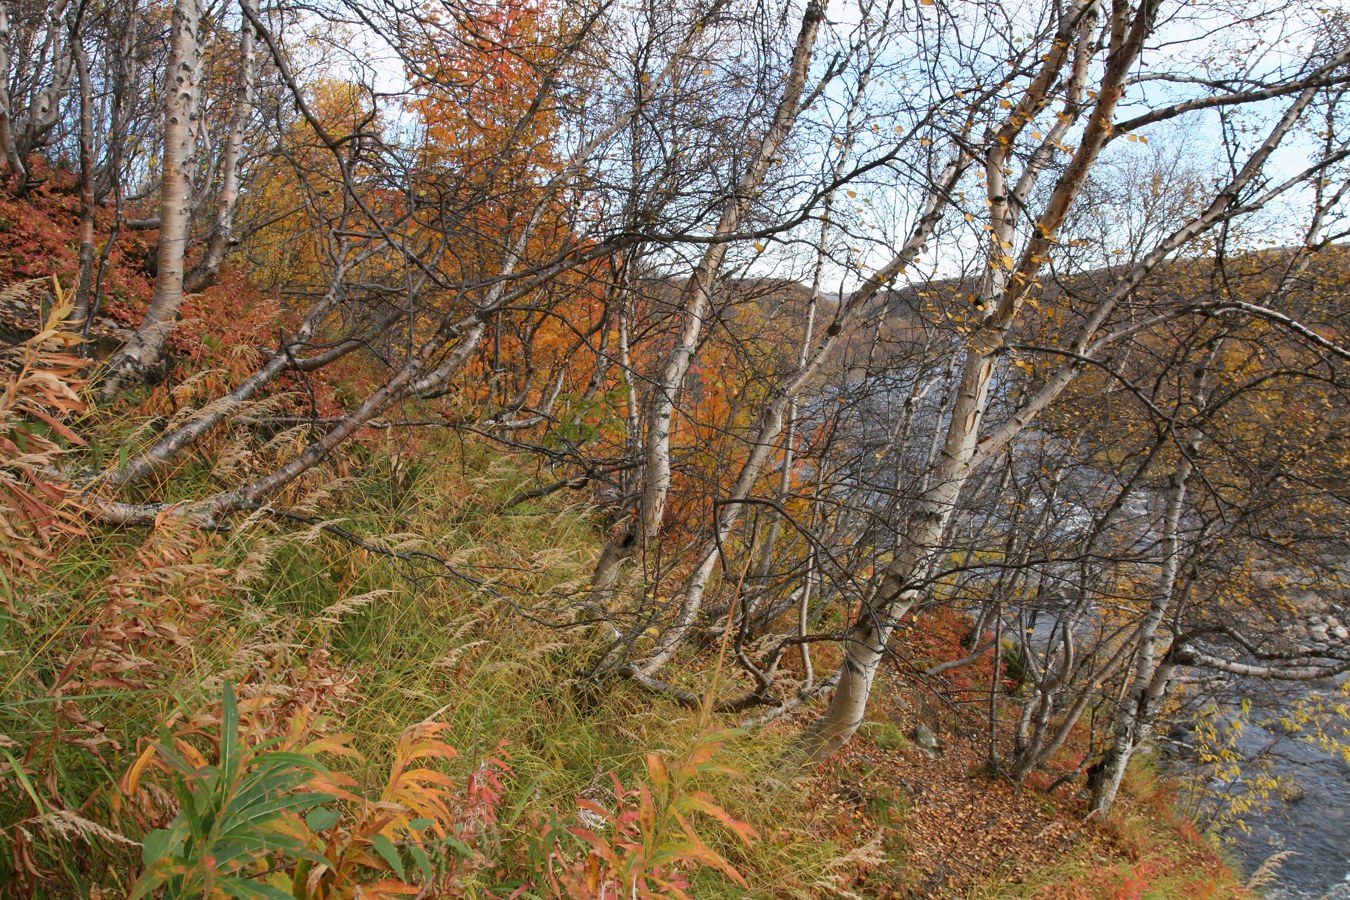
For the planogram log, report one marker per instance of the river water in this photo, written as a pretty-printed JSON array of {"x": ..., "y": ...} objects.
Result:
[{"x": 1312, "y": 820}]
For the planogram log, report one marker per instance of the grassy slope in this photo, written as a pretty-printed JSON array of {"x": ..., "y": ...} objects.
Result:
[
  {"x": 127, "y": 630},
  {"x": 888, "y": 820},
  {"x": 299, "y": 614}
]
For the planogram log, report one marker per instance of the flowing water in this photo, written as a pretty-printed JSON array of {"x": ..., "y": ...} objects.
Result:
[{"x": 1311, "y": 821}]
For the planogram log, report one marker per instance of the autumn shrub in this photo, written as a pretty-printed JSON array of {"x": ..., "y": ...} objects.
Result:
[
  {"x": 260, "y": 816},
  {"x": 653, "y": 839},
  {"x": 38, "y": 240},
  {"x": 42, "y": 377},
  {"x": 263, "y": 816}
]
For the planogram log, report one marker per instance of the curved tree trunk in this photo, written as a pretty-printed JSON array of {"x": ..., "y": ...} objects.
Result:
[
  {"x": 1151, "y": 677},
  {"x": 694, "y": 302},
  {"x": 45, "y": 110},
  {"x": 901, "y": 585},
  {"x": 1001, "y": 298},
  {"x": 7, "y": 146},
  {"x": 775, "y": 413}
]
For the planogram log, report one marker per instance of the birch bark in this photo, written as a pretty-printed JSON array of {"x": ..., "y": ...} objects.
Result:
[
  {"x": 182, "y": 93},
  {"x": 223, "y": 233},
  {"x": 7, "y": 145}
]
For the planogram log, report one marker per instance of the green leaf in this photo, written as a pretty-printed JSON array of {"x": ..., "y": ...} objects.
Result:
[
  {"x": 421, "y": 824},
  {"x": 157, "y": 845},
  {"x": 389, "y": 853},
  {"x": 266, "y": 810},
  {"x": 24, "y": 781},
  {"x": 229, "y": 732},
  {"x": 247, "y": 889},
  {"x": 423, "y": 861},
  {"x": 322, "y": 819}
]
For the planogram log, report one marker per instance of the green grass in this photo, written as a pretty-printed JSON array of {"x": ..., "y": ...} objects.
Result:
[
  {"x": 378, "y": 644},
  {"x": 421, "y": 644}
]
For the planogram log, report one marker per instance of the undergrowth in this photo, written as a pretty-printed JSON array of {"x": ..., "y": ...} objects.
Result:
[
  {"x": 276, "y": 710},
  {"x": 1145, "y": 850},
  {"x": 369, "y": 692}
]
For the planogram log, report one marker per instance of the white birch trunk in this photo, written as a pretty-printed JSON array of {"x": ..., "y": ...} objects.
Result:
[
  {"x": 45, "y": 109},
  {"x": 7, "y": 145},
  {"x": 964, "y": 449},
  {"x": 1149, "y": 678},
  {"x": 84, "y": 290},
  {"x": 182, "y": 92},
  {"x": 223, "y": 235},
  {"x": 694, "y": 303},
  {"x": 781, "y": 400},
  {"x": 1001, "y": 299}
]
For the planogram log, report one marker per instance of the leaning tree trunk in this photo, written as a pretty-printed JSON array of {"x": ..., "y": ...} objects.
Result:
[
  {"x": 901, "y": 584},
  {"x": 84, "y": 290},
  {"x": 781, "y": 401},
  {"x": 1151, "y": 678},
  {"x": 204, "y": 274},
  {"x": 1002, "y": 294},
  {"x": 1014, "y": 279},
  {"x": 45, "y": 109},
  {"x": 694, "y": 303},
  {"x": 142, "y": 353}
]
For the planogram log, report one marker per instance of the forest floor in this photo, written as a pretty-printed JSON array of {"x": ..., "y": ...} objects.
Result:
[{"x": 300, "y": 617}]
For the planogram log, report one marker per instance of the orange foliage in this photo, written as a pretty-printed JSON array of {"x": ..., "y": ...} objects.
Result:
[{"x": 38, "y": 396}]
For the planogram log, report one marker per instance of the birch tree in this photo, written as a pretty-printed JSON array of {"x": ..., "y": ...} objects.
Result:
[
  {"x": 8, "y": 146},
  {"x": 223, "y": 233},
  {"x": 444, "y": 309},
  {"x": 693, "y": 304},
  {"x": 1012, "y": 274},
  {"x": 181, "y": 98}
]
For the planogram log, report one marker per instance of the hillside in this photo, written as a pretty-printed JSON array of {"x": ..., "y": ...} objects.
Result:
[
  {"x": 399, "y": 609},
  {"x": 566, "y": 448}
]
